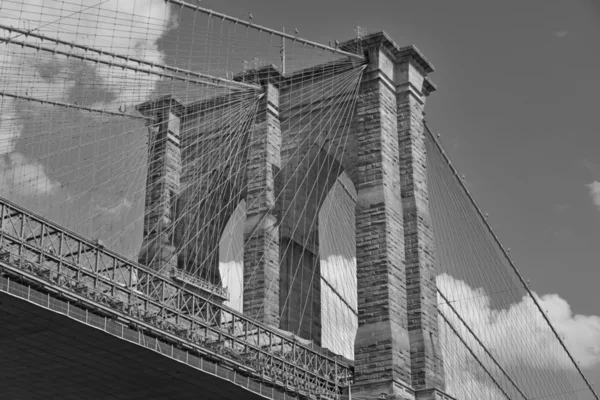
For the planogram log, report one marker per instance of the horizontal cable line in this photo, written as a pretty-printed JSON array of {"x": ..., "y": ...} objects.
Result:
[
  {"x": 73, "y": 106},
  {"x": 260, "y": 28},
  {"x": 209, "y": 79}
]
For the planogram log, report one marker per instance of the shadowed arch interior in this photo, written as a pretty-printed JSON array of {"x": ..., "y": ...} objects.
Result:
[{"x": 306, "y": 180}]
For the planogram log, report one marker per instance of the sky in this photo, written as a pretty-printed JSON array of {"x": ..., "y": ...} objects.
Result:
[{"x": 516, "y": 108}]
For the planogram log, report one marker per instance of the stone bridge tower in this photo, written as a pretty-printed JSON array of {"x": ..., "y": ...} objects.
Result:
[
  {"x": 397, "y": 348},
  {"x": 397, "y": 344}
]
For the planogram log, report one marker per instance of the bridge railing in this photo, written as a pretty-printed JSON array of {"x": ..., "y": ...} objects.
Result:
[
  {"x": 33, "y": 246},
  {"x": 200, "y": 283}
]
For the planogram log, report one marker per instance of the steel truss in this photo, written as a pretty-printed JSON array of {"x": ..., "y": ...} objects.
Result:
[{"x": 33, "y": 247}]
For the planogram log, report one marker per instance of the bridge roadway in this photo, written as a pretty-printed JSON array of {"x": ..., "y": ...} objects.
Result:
[
  {"x": 77, "y": 319},
  {"x": 48, "y": 355}
]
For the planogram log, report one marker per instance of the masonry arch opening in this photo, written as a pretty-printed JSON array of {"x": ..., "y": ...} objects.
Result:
[
  {"x": 338, "y": 268},
  {"x": 231, "y": 256}
]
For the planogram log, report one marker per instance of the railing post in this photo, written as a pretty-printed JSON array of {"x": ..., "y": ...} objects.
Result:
[
  {"x": 78, "y": 263},
  {"x": 2, "y": 223},
  {"x": 41, "y": 255},
  {"x": 60, "y": 251},
  {"x": 21, "y": 233}
]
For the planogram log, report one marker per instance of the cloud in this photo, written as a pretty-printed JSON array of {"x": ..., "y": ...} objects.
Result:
[
  {"x": 561, "y": 208},
  {"x": 18, "y": 175},
  {"x": 23, "y": 177},
  {"x": 500, "y": 329},
  {"x": 117, "y": 209},
  {"x": 10, "y": 128},
  {"x": 560, "y": 34},
  {"x": 581, "y": 332},
  {"x": 517, "y": 335},
  {"x": 232, "y": 273},
  {"x": 590, "y": 166},
  {"x": 338, "y": 321},
  {"x": 125, "y": 27},
  {"x": 594, "y": 190}
]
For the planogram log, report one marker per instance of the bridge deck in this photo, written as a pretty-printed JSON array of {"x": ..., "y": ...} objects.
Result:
[
  {"x": 64, "y": 265},
  {"x": 48, "y": 355}
]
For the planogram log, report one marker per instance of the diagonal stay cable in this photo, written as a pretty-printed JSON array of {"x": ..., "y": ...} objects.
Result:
[
  {"x": 509, "y": 259},
  {"x": 483, "y": 346},
  {"x": 28, "y": 32},
  {"x": 462, "y": 340}
]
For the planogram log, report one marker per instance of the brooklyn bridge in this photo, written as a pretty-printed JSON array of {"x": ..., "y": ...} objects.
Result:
[{"x": 248, "y": 215}]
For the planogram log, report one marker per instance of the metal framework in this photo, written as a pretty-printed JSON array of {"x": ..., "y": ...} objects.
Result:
[
  {"x": 201, "y": 284},
  {"x": 33, "y": 248}
]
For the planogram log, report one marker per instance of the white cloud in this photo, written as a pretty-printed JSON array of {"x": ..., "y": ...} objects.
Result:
[
  {"x": 581, "y": 332},
  {"x": 23, "y": 177},
  {"x": 560, "y": 34},
  {"x": 594, "y": 189},
  {"x": 590, "y": 166},
  {"x": 517, "y": 335},
  {"x": 561, "y": 208},
  {"x": 125, "y": 27},
  {"x": 117, "y": 209},
  {"x": 130, "y": 28},
  {"x": 18, "y": 174},
  {"x": 338, "y": 321},
  {"x": 10, "y": 128},
  {"x": 463, "y": 380},
  {"x": 232, "y": 273}
]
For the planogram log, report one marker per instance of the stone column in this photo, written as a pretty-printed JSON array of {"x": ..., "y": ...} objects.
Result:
[
  {"x": 261, "y": 234},
  {"x": 382, "y": 350},
  {"x": 164, "y": 171},
  {"x": 427, "y": 370}
]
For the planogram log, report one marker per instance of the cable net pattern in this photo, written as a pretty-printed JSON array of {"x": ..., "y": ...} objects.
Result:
[
  {"x": 138, "y": 124},
  {"x": 495, "y": 340}
]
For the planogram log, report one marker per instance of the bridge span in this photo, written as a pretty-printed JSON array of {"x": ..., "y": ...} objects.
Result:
[
  {"x": 51, "y": 355},
  {"x": 81, "y": 327}
]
